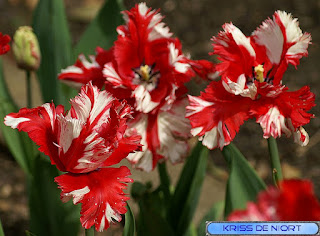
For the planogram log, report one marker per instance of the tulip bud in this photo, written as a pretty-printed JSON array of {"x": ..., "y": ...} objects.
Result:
[{"x": 26, "y": 49}]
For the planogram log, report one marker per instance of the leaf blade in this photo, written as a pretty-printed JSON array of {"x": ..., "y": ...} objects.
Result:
[
  {"x": 186, "y": 195},
  {"x": 214, "y": 214},
  {"x": 11, "y": 136},
  {"x": 48, "y": 214},
  {"x": 130, "y": 225},
  {"x": 55, "y": 46},
  {"x": 243, "y": 184}
]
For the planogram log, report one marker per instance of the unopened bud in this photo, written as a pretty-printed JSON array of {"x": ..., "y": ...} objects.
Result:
[{"x": 26, "y": 49}]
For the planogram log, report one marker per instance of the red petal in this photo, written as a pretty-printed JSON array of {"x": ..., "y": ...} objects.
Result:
[
  {"x": 83, "y": 72},
  {"x": 100, "y": 192},
  {"x": 40, "y": 124},
  {"x": 235, "y": 52},
  {"x": 217, "y": 114},
  {"x": 293, "y": 105},
  {"x": 4, "y": 43},
  {"x": 297, "y": 201},
  {"x": 126, "y": 146}
]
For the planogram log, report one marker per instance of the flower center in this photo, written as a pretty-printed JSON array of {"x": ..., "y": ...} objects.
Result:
[
  {"x": 145, "y": 72},
  {"x": 258, "y": 70},
  {"x": 146, "y": 75}
]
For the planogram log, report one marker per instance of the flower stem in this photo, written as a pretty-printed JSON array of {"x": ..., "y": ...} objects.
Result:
[
  {"x": 90, "y": 232},
  {"x": 275, "y": 160},
  {"x": 29, "y": 99},
  {"x": 164, "y": 181}
]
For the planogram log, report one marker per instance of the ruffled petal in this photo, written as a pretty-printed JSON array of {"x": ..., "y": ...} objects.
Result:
[
  {"x": 146, "y": 126},
  {"x": 273, "y": 123},
  {"x": 283, "y": 41},
  {"x": 103, "y": 120},
  {"x": 217, "y": 115},
  {"x": 174, "y": 132},
  {"x": 152, "y": 27},
  {"x": 84, "y": 71},
  {"x": 235, "y": 51},
  {"x": 279, "y": 111},
  {"x": 41, "y": 125},
  {"x": 142, "y": 160},
  {"x": 164, "y": 136},
  {"x": 100, "y": 192},
  {"x": 297, "y": 42},
  {"x": 128, "y": 144}
]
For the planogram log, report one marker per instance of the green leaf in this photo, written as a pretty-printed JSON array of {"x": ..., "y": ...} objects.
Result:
[
  {"x": 214, "y": 214},
  {"x": 152, "y": 223},
  {"x": 1, "y": 229},
  {"x": 152, "y": 214},
  {"x": 16, "y": 141},
  {"x": 186, "y": 195},
  {"x": 102, "y": 30},
  {"x": 48, "y": 215},
  {"x": 50, "y": 26},
  {"x": 130, "y": 224},
  {"x": 243, "y": 184},
  {"x": 192, "y": 231}
]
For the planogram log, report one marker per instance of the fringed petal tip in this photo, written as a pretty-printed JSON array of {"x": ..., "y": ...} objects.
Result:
[{"x": 100, "y": 193}]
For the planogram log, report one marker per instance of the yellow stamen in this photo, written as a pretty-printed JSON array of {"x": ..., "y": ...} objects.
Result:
[
  {"x": 259, "y": 73},
  {"x": 145, "y": 70}
]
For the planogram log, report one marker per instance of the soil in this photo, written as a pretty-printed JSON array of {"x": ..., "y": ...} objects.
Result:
[{"x": 194, "y": 22}]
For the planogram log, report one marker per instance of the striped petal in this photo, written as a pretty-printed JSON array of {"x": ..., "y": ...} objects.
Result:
[
  {"x": 100, "y": 193},
  {"x": 217, "y": 115}
]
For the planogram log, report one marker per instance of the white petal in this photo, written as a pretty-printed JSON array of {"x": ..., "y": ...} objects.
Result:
[
  {"x": 239, "y": 38},
  {"x": 111, "y": 75},
  {"x": 72, "y": 69},
  {"x": 270, "y": 35},
  {"x": 47, "y": 106},
  {"x": 238, "y": 88},
  {"x": 160, "y": 30},
  {"x": 76, "y": 194},
  {"x": 196, "y": 131},
  {"x": 139, "y": 124},
  {"x": 173, "y": 132},
  {"x": 85, "y": 109},
  {"x": 70, "y": 129},
  {"x": 299, "y": 135},
  {"x": 145, "y": 163},
  {"x": 143, "y": 99},
  {"x": 211, "y": 138},
  {"x": 174, "y": 59},
  {"x": 142, "y": 7},
  {"x": 196, "y": 105},
  {"x": 14, "y": 122},
  {"x": 273, "y": 123}
]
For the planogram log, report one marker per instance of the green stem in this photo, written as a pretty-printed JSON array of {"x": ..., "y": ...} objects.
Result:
[
  {"x": 275, "y": 160},
  {"x": 164, "y": 181},
  {"x": 90, "y": 232},
  {"x": 29, "y": 99}
]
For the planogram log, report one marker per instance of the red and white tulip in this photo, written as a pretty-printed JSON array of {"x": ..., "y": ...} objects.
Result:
[
  {"x": 84, "y": 142},
  {"x": 251, "y": 70}
]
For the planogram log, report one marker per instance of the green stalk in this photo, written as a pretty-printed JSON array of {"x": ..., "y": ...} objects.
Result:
[
  {"x": 164, "y": 181},
  {"x": 90, "y": 232},
  {"x": 29, "y": 98},
  {"x": 275, "y": 160}
]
